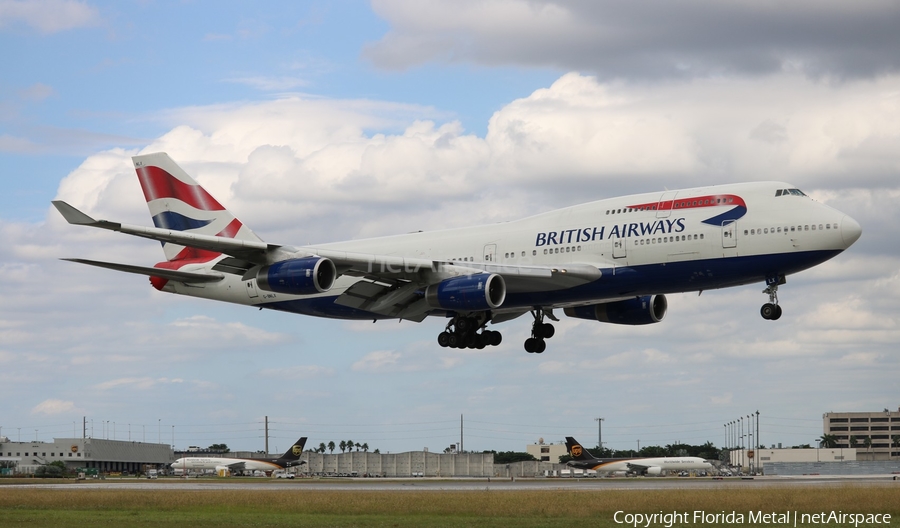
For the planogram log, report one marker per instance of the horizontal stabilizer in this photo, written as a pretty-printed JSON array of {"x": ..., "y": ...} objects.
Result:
[{"x": 174, "y": 275}]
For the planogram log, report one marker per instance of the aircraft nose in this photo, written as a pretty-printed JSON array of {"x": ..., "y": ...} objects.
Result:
[{"x": 850, "y": 230}]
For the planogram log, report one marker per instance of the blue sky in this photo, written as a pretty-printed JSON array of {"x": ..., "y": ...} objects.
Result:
[{"x": 322, "y": 121}]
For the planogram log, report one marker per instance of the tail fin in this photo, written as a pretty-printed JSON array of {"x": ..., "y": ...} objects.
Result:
[
  {"x": 179, "y": 203},
  {"x": 293, "y": 453},
  {"x": 576, "y": 451}
]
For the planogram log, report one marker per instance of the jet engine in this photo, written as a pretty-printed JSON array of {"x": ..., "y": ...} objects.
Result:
[
  {"x": 638, "y": 311},
  {"x": 653, "y": 470},
  {"x": 303, "y": 276},
  {"x": 482, "y": 291}
]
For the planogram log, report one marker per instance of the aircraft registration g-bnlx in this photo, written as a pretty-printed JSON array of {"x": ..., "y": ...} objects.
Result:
[{"x": 611, "y": 260}]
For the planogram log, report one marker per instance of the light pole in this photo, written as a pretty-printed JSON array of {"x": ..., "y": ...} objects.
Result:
[{"x": 599, "y": 434}]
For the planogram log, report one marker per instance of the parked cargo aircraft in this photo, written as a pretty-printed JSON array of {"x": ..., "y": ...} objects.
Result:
[
  {"x": 582, "y": 459},
  {"x": 611, "y": 260},
  {"x": 289, "y": 458}
]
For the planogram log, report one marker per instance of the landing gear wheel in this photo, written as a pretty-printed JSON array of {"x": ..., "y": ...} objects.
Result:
[
  {"x": 469, "y": 332},
  {"x": 777, "y": 312},
  {"x": 540, "y": 331},
  {"x": 768, "y": 311},
  {"x": 546, "y": 330}
]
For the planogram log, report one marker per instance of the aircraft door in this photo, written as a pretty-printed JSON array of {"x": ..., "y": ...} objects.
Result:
[
  {"x": 251, "y": 289},
  {"x": 729, "y": 234},
  {"x": 666, "y": 201},
  {"x": 618, "y": 245},
  {"x": 490, "y": 253}
]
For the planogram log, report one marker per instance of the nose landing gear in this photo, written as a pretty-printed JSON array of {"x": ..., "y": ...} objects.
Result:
[{"x": 771, "y": 310}]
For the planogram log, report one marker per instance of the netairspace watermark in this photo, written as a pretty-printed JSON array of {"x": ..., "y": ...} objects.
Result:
[{"x": 786, "y": 518}]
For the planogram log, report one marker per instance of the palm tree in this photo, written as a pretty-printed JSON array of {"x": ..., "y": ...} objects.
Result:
[
  {"x": 322, "y": 447},
  {"x": 828, "y": 441},
  {"x": 358, "y": 445},
  {"x": 365, "y": 447},
  {"x": 853, "y": 441},
  {"x": 349, "y": 445},
  {"x": 343, "y": 445},
  {"x": 330, "y": 447},
  {"x": 867, "y": 441}
]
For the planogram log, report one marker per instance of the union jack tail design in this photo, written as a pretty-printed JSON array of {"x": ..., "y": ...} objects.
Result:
[{"x": 177, "y": 202}]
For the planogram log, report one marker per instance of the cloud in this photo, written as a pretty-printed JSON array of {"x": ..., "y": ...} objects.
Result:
[
  {"x": 378, "y": 360},
  {"x": 681, "y": 39},
  {"x": 37, "y": 92},
  {"x": 53, "y": 407},
  {"x": 48, "y": 16}
]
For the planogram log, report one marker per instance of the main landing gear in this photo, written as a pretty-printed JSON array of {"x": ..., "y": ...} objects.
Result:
[
  {"x": 771, "y": 310},
  {"x": 539, "y": 331},
  {"x": 463, "y": 332}
]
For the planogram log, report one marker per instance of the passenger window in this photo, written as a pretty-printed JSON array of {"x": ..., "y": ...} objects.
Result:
[
  {"x": 766, "y": 231},
  {"x": 534, "y": 253},
  {"x": 820, "y": 227},
  {"x": 814, "y": 227},
  {"x": 701, "y": 236},
  {"x": 545, "y": 251},
  {"x": 745, "y": 232},
  {"x": 806, "y": 228},
  {"x": 579, "y": 248}
]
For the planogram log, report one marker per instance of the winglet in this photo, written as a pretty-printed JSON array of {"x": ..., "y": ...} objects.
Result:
[{"x": 72, "y": 215}]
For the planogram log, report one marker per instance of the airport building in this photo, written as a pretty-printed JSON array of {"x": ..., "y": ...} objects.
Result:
[
  {"x": 881, "y": 428},
  {"x": 546, "y": 452},
  {"x": 106, "y": 456}
]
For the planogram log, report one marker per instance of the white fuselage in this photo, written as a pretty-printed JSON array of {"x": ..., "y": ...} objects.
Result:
[
  {"x": 215, "y": 463},
  {"x": 673, "y": 242}
]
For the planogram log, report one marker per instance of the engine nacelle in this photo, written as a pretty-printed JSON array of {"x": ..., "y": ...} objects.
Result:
[
  {"x": 471, "y": 292},
  {"x": 303, "y": 276},
  {"x": 638, "y": 311},
  {"x": 653, "y": 470}
]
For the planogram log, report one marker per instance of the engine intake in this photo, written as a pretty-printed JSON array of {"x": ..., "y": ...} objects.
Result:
[
  {"x": 472, "y": 292},
  {"x": 638, "y": 311},
  {"x": 303, "y": 276}
]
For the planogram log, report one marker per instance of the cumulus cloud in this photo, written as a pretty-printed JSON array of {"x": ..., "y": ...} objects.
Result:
[
  {"x": 681, "y": 39},
  {"x": 53, "y": 407}
]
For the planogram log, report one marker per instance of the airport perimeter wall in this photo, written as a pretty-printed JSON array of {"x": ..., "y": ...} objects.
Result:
[
  {"x": 412, "y": 463},
  {"x": 858, "y": 467}
]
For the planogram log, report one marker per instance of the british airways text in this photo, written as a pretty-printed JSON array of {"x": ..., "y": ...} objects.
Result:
[{"x": 591, "y": 234}]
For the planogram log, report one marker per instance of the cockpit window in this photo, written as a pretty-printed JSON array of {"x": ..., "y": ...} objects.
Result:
[{"x": 792, "y": 192}]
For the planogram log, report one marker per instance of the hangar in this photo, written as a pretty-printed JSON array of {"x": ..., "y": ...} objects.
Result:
[{"x": 76, "y": 453}]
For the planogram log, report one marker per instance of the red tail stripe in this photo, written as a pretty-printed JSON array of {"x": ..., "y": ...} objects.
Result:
[{"x": 158, "y": 183}]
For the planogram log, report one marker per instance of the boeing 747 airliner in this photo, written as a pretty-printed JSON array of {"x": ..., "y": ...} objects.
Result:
[{"x": 612, "y": 260}]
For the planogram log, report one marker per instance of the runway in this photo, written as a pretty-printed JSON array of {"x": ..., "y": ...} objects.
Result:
[{"x": 426, "y": 484}]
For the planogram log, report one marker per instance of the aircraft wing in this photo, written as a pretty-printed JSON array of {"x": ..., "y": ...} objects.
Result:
[
  {"x": 251, "y": 251},
  {"x": 391, "y": 285}
]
